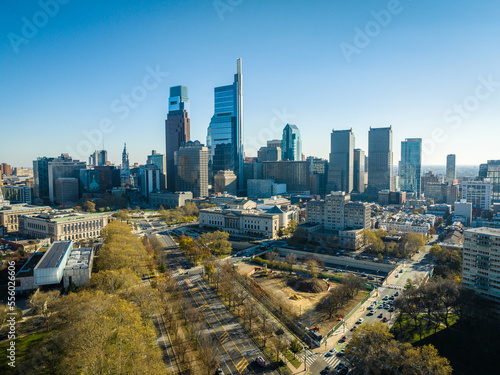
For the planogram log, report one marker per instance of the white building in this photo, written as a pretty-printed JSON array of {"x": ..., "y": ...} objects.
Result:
[
  {"x": 63, "y": 225},
  {"x": 478, "y": 193},
  {"x": 238, "y": 221},
  {"x": 463, "y": 212},
  {"x": 168, "y": 199},
  {"x": 481, "y": 266}
]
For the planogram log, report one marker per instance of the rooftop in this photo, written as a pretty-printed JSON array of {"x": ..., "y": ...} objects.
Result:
[
  {"x": 484, "y": 230},
  {"x": 79, "y": 258},
  {"x": 54, "y": 255}
]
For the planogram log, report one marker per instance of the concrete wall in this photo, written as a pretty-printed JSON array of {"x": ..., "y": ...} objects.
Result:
[{"x": 342, "y": 261}]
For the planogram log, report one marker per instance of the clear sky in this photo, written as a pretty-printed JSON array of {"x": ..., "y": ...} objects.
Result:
[{"x": 431, "y": 69}]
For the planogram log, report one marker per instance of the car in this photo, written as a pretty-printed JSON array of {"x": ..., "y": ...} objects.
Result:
[
  {"x": 397, "y": 276},
  {"x": 341, "y": 353},
  {"x": 386, "y": 307},
  {"x": 381, "y": 306},
  {"x": 339, "y": 367},
  {"x": 400, "y": 271},
  {"x": 354, "y": 328},
  {"x": 385, "y": 298},
  {"x": 330, "y": 353},
  {"x": 381, "y": 315},
  {"x": 326, "y": 370},
  {"x": 396, "y": 294},
  {"x": 370, "y": 313},
  {"x": 219, "y": 371},
  {"x": 344, "y": 371},
  {"x": 343, "y": 339},
  {"x": 391, "y": 309},
  {"x": 261, "y": 361},
  {"x": 360, "y": 320},
  {"x": 385, "y": 319}
]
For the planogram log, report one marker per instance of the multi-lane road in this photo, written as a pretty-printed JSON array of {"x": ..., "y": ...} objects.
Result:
[{"x": 236, "y": 350}]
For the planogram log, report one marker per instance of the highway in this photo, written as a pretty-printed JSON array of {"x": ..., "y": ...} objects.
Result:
[{"x": 235, "y": 348}]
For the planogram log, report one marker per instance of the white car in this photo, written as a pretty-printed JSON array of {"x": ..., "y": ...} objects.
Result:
[{"x": 360, "y": 320}]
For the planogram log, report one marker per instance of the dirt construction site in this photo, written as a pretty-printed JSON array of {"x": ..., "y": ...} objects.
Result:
[{"x": 300, "y": 296}]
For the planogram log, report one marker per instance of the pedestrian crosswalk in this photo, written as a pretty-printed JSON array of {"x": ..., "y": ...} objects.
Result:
[{"x": 311, "y": 357}]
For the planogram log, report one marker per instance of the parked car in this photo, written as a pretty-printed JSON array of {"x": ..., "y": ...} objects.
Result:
[
  {"x": 370, "y": 313},
  {"x": 360, "y": 320},
  {"x": 261, "y": 361},
  {"x": 330, "y": 353},
  {"x": 326, "y": 370},
  {"x": 354, "y": 328},
  {"x": 381, "y": 315},
  {"x": 343, "y": 339},
  {"x": 385, "y": 319}
]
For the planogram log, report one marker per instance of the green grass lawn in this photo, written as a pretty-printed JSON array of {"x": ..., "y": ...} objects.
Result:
[
  {"x": 23, "y": 345},
  {"x": 407, "y": 331}
]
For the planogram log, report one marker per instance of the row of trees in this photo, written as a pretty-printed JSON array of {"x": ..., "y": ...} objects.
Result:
[
  {"x": 105, "y": 327},
  {"x": 375, "y": 351},
  {"x": 410, "y": 244},
  {"x": 208, "y": 244}
]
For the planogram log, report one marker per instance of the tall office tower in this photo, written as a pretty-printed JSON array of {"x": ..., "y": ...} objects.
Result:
[
  {"x": 63, "y": 167},
  {"x": 291, "y": 143},
  {"x": 318, "y": 174},
  {"x": 151, "y": 179},
  {"x": 177, "y": 129},
  {"x": 160, "y": 161},
  {"x": 341, "y": 167},
  {"x": 491, "y": 171},
  {"x": 481, "y": 265},
  {"x": 125, "y": 178},
  {"x": 191, "y": 162},
  {"x": 411, "y": 165},
  {"x": 269, "y": 154},
  {"x": 41, "y": 177},
  {"x": 65, "y": 190},
  {"x": 451, "y": 168},
  {"x": 359, "y": 171},
  {"x": 225, "y": 132},
  {"x": 274, "y": 143},
  {"x": 479, "y": 193},
  {"x": 98, "y": 158},
  {"x": 380, "y": 170}
]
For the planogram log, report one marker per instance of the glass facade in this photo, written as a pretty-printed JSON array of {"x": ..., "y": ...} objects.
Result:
[
  {"x": 380, "y": 172},
  {"x": 450, "y": 168},
  {"x": 291, "y": 143},
  {"x": 411, "y": 165},
  {"x": 341, "y": 168},
  {"x": 491, "y": 171},
  {"x": 225, "y": 132}
]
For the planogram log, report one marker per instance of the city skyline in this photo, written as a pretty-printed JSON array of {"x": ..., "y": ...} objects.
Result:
[{"x": 79, "y": 79}]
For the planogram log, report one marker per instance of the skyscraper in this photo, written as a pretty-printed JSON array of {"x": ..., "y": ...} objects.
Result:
[
  {"x": 98, "y": 158},
  {"x": 411, "y": 165},
  {"x": 291, "y": 143},
  {"x": 63, "y": 167},
  {"x": 450, "y": 168},
  {"x": 177, "y": 129},
  {"x": 491, "y": 171},
  {"x": 41, "y": 177},
  {"x": 359, "y": 171},
  {"x": 160, "y": 161},
  {"x": 125, "y": 170},
  {"x": 225, "y": 132},
  {"x": 191, "y": 163},
  {"x": 341, "y": 168},
  {"x": 380, "y": 172}
]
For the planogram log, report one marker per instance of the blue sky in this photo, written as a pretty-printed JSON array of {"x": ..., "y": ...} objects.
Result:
[{"x": 430, "y": 69}]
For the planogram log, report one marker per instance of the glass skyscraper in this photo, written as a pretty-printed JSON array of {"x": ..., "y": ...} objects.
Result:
[
  {"x": 451, "y": 168},
  {"x": 291, "y": 144},
  {"x": 411, "y": 165},
  {"x": 491, "y": 172},
  {"x": 177, "y": 130},
  {"x": 225, "y": 132},
  {"x": 380, "y": 172}
]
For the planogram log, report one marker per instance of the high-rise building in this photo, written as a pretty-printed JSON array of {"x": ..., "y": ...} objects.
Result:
[
  {"x": 411, "y": 165},
  {"x": 125, "y": 169},
  {"x": 98, "y": 158},
  {"x": 191, "y": 161},
  {"x": 451, "y": 174},
  {"x": 274, "y": 143},
  {"x": 491, "y": 171},
  {"x": 65, "y": 190},
  {"x": 225, "y": 181},
  {"x": 359, "y": 171},
  {"x": 479, "y": 193},
  {"x": 225, "y": 132},
  {"x": 177, "y": 129},
  {"x": 151, "y": 179},
  {"x": 295, "y": 174},
  {"x": 64, "y": 167},
  {"x": 5, "y": 169},
  {"x": 318, "y": 171},
  {"x": 481, "y": 265},
  {"x": 380, "y": 168},
  {"x": 41, "y": 177},
  {"x": 291, "y": 143},
  {"x": 341, "y": 167},
  {"x": 160, "y": 161},
  {"x": 269, "y": 154}
]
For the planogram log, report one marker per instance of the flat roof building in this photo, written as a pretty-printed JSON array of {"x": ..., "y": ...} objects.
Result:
[{"x": 50, "y": 269}]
